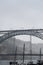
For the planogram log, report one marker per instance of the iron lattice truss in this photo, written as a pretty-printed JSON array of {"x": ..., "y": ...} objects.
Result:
[{"x": 10, "y": 33}]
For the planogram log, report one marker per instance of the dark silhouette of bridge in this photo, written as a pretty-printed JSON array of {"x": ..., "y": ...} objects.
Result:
[{"x": 5, "y": 34}]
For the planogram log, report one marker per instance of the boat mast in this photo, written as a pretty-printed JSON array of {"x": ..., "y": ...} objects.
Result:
[
  {"x": 30, "y": 48},
  {"x": 23, "y": 52},
  {"x": 15, "y": 54},
  {"x": 40, "y": 54}
]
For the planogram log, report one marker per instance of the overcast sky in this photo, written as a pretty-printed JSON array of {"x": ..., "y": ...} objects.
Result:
[{"x": 21, "y": 14}]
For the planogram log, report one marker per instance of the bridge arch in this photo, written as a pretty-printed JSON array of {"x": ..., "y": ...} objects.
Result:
[{"x": 20, "y": 32}]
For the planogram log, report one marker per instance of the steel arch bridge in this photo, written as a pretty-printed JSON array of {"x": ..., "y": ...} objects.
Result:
[{"x": 10, "y": 33}]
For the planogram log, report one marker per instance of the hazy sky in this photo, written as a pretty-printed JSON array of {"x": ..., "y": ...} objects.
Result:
[{"x": 21, "y": 14}]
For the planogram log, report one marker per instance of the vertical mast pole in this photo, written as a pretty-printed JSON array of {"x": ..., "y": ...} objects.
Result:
[
  {"x": 15, "y": 54},
  {"x": 23, "y": 52},
  {"x": 40, "y": 54},
  {"x": 30, "y": 48}
]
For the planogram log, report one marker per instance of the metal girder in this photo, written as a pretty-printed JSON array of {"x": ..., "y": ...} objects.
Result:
[
  {"x": 37, "y": 33},
  {"x": 6, "y": 31}
]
